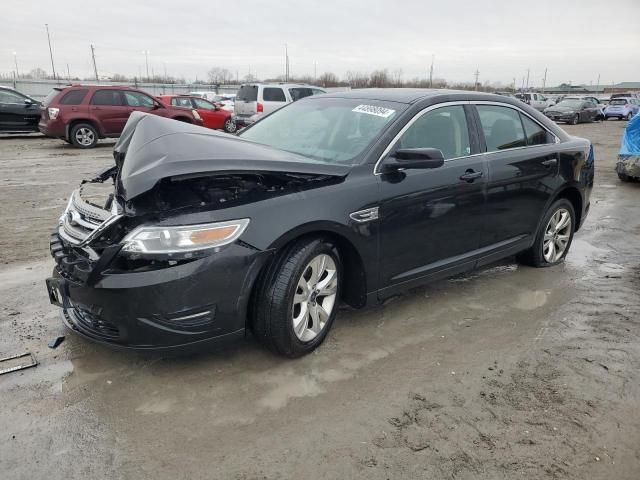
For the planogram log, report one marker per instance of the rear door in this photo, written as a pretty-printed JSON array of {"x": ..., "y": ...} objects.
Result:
[
  {"x": 430, "y": 220},
  {"x": 246, "y": 103},
  {"x": 273, "y": 98},
  {"x": 108, "y": 108},
  {"x": 522, "y": 163}
]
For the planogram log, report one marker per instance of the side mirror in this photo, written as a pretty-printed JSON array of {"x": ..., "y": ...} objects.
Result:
[
  {"x": 156, "y": 105},
  {"x": 410, "y": 158},
  {"x": 28, "y": 101}
]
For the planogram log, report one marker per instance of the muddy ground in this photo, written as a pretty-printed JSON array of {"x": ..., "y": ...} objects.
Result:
[{"x": 508, "y": 373}]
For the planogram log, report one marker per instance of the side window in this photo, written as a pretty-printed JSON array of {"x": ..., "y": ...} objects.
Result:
[
  {"x": 74, "y": 97},
  {"x": 107, "y": 97},
  {"x": 10, "y": 97},
  {"x": 536, "y": 135},
  {"x": 181, "y": 102},
  {"x": 317, "y": 91},
  {"x": 502, "y": 127},
  {"x": 271, "y": 94},
  {"x": 300, "y": 92},
  {"x": 137, "y": 99},
  {"x": 444, "y": 128},
  {"x": 203, "y": 104}
]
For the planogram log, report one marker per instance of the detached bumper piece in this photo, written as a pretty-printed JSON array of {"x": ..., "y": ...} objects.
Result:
[{"x": 628, "y": 165}]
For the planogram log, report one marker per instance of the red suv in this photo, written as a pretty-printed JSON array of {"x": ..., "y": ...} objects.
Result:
[{"x": 82, "y": 114}]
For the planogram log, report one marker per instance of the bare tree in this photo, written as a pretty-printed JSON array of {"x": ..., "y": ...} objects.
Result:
[
  {"x": 357, "y": 79},
  {"x": 329, "y": 79},
  {"x": 219, "y": 76},
  {"x": 397, "y": 78},
  {"x": 379, "y": 79}
]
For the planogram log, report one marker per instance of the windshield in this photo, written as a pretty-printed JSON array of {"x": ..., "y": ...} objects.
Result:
[
  {"x": 247, "y": 93},
  {"x": 570, "y": 103},
  {"x": 618, "y": 101},
  {"x": 331, "y": 130}
]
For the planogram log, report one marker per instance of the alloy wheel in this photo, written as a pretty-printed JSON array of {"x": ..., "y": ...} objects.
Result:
[
  {"x": 85, "y": 137},
  {"x": 315, "y": 297},
  {"x": 230, "y": 126},
  {"x": 557, "y": 235}
]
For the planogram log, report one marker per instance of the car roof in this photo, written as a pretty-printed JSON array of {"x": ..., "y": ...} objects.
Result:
[
  {"x": 288, "y": 85},
  {"x": 412, "y": 95}
]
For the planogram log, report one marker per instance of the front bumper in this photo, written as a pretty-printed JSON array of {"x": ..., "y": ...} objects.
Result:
[
  {"x": 560, "y": 117},
  {"x": 201, "y": 302}
]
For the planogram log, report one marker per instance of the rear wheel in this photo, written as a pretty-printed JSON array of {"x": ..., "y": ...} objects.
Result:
[
  {"x": 230, "y": 125},
  {"x": 624, "y": 178},
  {"x": 575, "y": 119},
  {"x": 296, "y": 299},
  {"x": 629, "y": 116},
  {"x": 554, "y": 238},
  {"x": 84, "y": 135}
]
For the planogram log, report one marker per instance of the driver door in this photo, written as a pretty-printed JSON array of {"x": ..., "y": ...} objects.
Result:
[{"x": 431, "y": 220}]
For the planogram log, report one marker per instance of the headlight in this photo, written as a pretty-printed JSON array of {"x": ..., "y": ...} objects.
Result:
[
  {"x": 196, "y": 115},
  {"x": 186, "y": 238},
  {"x": 53, "y": 112}
]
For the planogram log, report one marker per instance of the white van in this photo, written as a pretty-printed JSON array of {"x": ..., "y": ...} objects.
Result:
[{"x": 257, "y": 99}]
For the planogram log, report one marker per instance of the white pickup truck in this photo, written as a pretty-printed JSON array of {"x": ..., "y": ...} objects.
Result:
[{"x": 536, "y": 100}]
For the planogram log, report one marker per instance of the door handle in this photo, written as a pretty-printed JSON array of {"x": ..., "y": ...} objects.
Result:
[
  {"x": 552, "y": 162},
  {"x": 470, "y": 175}
]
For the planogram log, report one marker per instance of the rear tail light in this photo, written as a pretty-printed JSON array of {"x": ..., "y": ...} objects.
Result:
[
  {"x": 260, "y": 108},
  {"x": 53, "y": 112}
]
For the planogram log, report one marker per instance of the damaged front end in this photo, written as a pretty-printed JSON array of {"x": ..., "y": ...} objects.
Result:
[{"x": 147, "y": 253}]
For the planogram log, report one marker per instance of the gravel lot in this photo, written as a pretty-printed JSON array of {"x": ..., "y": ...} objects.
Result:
[{"x": 510, "y": 372}]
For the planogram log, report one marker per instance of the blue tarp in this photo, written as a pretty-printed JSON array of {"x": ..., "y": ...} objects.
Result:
[{"x": 631, "y": 138}]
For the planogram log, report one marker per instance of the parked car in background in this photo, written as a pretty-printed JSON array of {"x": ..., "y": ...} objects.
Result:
[
  {"x": 225, "y": 100},
  {"x": 595, "y": 100},
  {"x": 82, "y": 114},
  {"x": 19, "y": 113},
  {"x": 212, "y": 115},
  {"x": 536, "y": 100},
  {"x": 257, "y": 99},
  {"x": 622, "y": 108},
  {"x": 207, "y": 95},
  {"x": 347, "y": 197},
  {"x": 573, "y": 111},
  {"x": 625, "y": 95}
]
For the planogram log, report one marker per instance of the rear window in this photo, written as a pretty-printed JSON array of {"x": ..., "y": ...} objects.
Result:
[
  {"x": 300, "y": 92},
  {"x": 271, "y": 94},
  {"x": 73, "y": 97},
  {"x": 248, "y": 93},
  {"x": 52, "y": 94},
  {"x": 618, "y": 101}
]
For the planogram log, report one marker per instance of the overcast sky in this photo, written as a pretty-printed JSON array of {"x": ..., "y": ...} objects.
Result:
[{"x": 575, "y": 39}]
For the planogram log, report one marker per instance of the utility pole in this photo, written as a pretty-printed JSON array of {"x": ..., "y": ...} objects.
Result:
[
  {"x": 544, "y": 80},
  {"x": 315, "y": 71},
  {"x": 146, "y": 56},
  {"x": 15, "y": 59},
  {"x": 286, "y": 63},
  {"x": 433, "y": 57},
  {"x": 165, "y": 71},
  {"x": 528, "y": 72},
  {"x": 597, "y": 84},
  {"x": 93, "y": 57},
  {"x": 68, "y": 73},
  {"x": 514, "y": 84},
  {"x": 477, "y": 74},
  {"x": 53, "y": 69}
]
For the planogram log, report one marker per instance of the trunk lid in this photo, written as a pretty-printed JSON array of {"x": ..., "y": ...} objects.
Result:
[{"x": 246, "y": 102}]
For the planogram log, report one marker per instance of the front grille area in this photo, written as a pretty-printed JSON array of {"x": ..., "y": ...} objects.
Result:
[{"x": 81, "y": 219}]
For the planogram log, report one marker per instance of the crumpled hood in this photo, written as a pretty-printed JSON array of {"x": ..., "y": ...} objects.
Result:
[{"x": 152, "y": 148}]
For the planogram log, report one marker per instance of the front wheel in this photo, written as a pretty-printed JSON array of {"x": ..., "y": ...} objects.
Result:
[
  {"x": 575, "y": 119},
  {"x": 230, "y": 125},
  {"x": 554, "y": 238},
  {"x": 296, "y": 299}
]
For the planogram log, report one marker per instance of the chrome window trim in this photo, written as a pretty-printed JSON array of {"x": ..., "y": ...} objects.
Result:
[
  {"x": 518, "y": 109},
  {"x": 411, "y": 122}
]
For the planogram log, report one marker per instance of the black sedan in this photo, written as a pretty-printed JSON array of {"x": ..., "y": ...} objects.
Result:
[
  {"x": 345, "y": 197},
  {"x": 18, "y": 112},
  {"x": 574, "y": 111}
]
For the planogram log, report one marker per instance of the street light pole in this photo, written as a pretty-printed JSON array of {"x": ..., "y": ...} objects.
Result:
[
  {"x": 15, "y": 59},
  {"x": 146, "y": 57},
  {"x": 53, "y": 69}
]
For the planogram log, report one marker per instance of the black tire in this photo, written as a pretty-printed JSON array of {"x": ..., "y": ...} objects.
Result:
[
  {"x": 272, "y": 299},
  {"x": 534, "y": 256},
  {"x": 629, "y": 116},
  {"x": 575, "y": 119},
  {"x": 83, "y": 135},
  {"x": 606, "y": 118},
  {"x": 230, "y": 125},
  {"x": 624, "y": 178}
]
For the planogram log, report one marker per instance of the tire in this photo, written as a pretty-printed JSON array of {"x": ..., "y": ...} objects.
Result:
[
  {"x": 575, "y": 119},
  {"x": 624, "y": 178},
  {"x": 606, "y": 118},
  {"x": 278, "y": 298},
  {"x": 629, "y": 116},
  {"x": 539, "y": 255},
  {"x": 230, "y": 125},
  {"x": 84, "y": 135}
]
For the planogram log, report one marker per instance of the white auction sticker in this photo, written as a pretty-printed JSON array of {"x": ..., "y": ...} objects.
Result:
[{"x": 373, "y": 110}]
